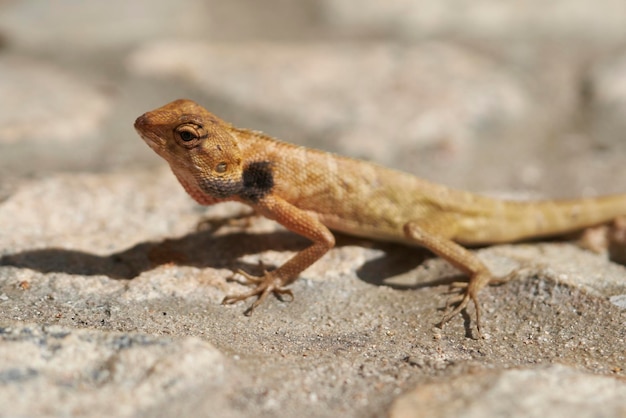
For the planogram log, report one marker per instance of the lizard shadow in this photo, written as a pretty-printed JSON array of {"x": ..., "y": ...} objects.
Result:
[
  {"x": 198, "y": 249},
  {"x": 396, "y": 260},
  {"x": 203, "y": 248}
]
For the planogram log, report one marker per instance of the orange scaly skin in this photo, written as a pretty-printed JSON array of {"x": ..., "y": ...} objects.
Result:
[{"x": 309, "y": 191}]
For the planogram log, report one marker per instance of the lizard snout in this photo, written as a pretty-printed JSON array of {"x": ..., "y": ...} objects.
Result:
[{"x": 141, "y": 122}]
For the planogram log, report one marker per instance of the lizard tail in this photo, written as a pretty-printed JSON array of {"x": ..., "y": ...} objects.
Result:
[
  {"x": 507, "y": 221},
  {"x": 554, "y": 217}
]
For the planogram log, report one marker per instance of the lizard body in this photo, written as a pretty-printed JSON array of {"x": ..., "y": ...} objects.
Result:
[{"x": 310, "y": 191}]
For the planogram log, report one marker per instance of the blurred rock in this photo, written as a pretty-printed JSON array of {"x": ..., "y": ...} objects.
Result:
[
  {"x": 599, "y": 21},
  {"x": 77, "y": 209},
  {"x": 46, "y": 102},
  {"x": 56, "y": 371},
  {"x": 75, "y": 24},
  {"x": 607, "y": 101},
  {"x": 557, "y": 391}
]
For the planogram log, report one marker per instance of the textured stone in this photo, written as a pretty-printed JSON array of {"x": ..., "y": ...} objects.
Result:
[
  {"x": 557, "y": 391},
  {"x": 77, "y": 209},
  {"x": 56, "y": 371},
  {"x": 122, "y": 256}
]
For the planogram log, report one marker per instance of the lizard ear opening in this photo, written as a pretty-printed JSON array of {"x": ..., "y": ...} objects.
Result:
[{"x": 221, "y": 167}]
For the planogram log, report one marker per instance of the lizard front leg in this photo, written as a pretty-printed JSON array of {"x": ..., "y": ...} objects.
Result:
[
  {"x": 300, "y": 222},
  {"x": 436, "y": 235}
]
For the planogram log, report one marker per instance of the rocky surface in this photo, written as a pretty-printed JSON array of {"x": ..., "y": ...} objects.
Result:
[
  {"x": 111, "y": 277},
  {"x": 557, "y": 391},
  {"x": 574, "y": 20},
  {"x": 81, "y": 372}
]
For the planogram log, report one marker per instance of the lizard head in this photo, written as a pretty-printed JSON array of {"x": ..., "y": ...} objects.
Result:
[{"x": 198, "y": 146}]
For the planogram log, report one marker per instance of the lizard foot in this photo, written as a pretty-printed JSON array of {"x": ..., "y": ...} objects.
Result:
[
  {"x": 263, "y": 286},
  {"x": 468, "y": 292}
]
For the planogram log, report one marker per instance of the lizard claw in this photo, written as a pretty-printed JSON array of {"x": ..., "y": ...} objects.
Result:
[
  {"x": 249, "y": 279},
  {"x": 459, "y": 303},
  {"x": 468, "y": 292},
  {"x": 263, "y": 286}
]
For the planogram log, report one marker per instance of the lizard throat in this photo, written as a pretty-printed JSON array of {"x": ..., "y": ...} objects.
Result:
[
  {"x": 257, "y": 181},
  {"x": 220, "y": 188}
]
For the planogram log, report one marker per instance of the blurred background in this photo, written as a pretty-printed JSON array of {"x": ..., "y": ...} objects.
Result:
[{"x": 523, "y": 97}]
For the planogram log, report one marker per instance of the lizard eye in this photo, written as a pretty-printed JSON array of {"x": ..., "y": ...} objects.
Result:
[
  {"x": 221, "y": 167},
  {"x": 188, "y": 134}
]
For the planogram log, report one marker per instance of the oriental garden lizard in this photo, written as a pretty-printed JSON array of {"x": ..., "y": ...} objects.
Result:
[{"x": 311, "y": 192}]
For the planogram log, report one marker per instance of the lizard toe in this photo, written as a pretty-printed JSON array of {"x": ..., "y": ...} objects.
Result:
[{"x": 263, "y": 287}]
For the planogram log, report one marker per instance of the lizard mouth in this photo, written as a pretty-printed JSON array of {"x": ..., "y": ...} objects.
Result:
[{"x": 142, "y": 126}]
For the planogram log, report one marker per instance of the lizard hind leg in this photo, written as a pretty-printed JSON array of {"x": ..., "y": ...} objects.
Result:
[{"x": 436, "y": 236}]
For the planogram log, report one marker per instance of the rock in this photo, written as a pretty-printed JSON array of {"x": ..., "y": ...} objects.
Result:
[
  {"x": 556, "y": 390},
  {"x": 89, "y": 286},
  {"x": 591, "y": 272},
  {"x": 607, "y": 101},
  {"x": 82, "y": 211},
  {"x": 608, "y": 81},
  {"x": 619, "y": 301},
  {"x": 487, "y": 19},
  {"x": 56, "y": 371},
  {"x": 51, "y": 104},
  {"x": 80, "y": 26}
]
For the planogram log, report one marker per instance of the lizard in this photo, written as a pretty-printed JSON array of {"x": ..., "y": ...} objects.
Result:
[{"x": 311, "y": 192}]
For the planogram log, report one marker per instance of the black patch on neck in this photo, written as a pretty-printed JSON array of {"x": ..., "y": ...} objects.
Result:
[{"x": 258, "y": 180}]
